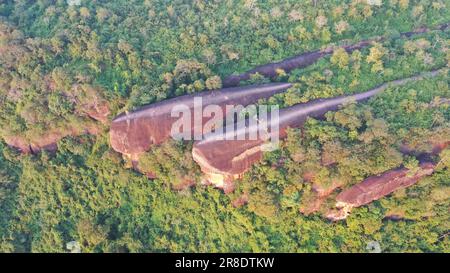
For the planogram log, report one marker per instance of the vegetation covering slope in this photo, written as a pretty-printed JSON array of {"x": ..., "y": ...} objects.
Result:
[{"x": 56, "y": 56}]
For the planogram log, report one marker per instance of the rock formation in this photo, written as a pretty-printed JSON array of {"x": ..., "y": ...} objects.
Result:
[
  {"x": 376, "y": 187},
  {"x": 135, "y": 132},
  {"x": 88, "y": 103},
  {"x": 225, "y": 159},
  {"x": 308, "y": 58}
]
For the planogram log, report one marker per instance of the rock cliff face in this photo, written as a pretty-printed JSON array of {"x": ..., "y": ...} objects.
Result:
[
  {"x": 87, "y": 101},
  {"x": 270, "y": 70},
  {"x": 224, "y": 159},
  {"x": 135, "y": 132},
  {"x": 48, "y": 141},
  {"x": 376, "y": 187}
]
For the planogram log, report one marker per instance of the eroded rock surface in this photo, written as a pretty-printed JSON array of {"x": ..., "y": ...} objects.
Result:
[
  {"x": 225, "y": 159},
  {"x": 271, "y": 70},
  {"x": 376, "y": 187},
  {"x": 48, "y": 140},
  {"x": 88, "y": 103},
  {"x": 135, "y": 132}
]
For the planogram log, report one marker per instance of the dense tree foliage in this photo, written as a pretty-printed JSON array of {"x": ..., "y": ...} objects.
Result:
[{"x": 59, "y": 61}]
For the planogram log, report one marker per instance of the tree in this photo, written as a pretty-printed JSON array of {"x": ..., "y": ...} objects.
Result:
[{"x": 340, "y": 58}]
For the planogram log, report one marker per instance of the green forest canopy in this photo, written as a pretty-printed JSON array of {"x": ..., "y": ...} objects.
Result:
[{"x": 131, "y": 53}]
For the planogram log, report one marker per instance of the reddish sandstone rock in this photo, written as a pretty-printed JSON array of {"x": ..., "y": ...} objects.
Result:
[
  {"x": 229, "y": 161},
  {"x": 321, "y": 194},
  {"x": 229, "y": 157},
  {"x": 98, "y": 110},
  {"x": 376, "y": 187},
  {"x": 427, "y": 147},
  {"x": 48, "y": 140},
  {"x": 135, "y": 132},
  {"x": 373, "y": 188},
  {"x": 303, "y": 60},
  {"x": 240, "y": 201}
]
